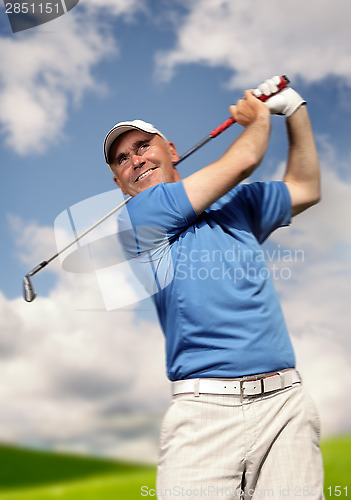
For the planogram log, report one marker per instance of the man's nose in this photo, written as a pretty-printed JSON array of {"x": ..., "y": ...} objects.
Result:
[{"x": 137, "y": 160}]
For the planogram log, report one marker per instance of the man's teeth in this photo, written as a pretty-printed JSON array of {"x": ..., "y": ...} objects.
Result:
[{"x": 145, "y": 174}]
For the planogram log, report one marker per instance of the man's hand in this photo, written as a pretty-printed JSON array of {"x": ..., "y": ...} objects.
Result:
[
  {"x": 285, "y": 103},
  {"x": 248, "y": 109}
]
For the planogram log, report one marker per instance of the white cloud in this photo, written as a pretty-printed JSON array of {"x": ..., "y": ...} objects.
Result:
[
  {"x": 42, "y": 74},
  {"x": 33, "y": 242},
  {"x": 316, "y": 298},
  {"x": 116, "y": 7},
  {"x": 255, "y": 41},
  {"x": 322, "y": 282},
  {"x": 69, "y": 374},
  {"x": 326, "y": 371},
  {"x": 74, "y": 376}
]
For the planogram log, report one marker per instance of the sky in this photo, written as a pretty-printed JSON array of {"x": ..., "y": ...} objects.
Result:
[{"x": 78, "y": 375}]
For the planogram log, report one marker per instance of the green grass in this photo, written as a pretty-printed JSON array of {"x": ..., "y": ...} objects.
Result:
[
  {"x": 337, "y": 466},
  {"x": 34, "y": 475}
]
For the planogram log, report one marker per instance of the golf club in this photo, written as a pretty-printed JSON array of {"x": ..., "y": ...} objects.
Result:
[{"x": 28, "y": 288}]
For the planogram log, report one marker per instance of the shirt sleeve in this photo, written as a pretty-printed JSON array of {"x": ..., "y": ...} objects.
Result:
[
  {"x": 267, "y": 206},
  {"x": 165, "y": 205}
]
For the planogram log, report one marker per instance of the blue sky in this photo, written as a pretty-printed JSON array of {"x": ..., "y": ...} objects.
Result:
[{"x": 178, "y": 65}]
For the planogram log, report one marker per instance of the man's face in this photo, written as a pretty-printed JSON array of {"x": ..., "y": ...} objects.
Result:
[{"x": 140, "y": 160}]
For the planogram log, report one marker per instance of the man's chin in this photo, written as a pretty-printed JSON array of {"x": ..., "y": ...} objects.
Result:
[{"x": 148, "y": 183}]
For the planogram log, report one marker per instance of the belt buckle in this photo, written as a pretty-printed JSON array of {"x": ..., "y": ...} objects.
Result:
[{"x": 242, "y": 388}]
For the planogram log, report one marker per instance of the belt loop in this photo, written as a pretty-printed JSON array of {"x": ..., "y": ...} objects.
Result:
[
  {"x": 242, "y": 389},
  {"x": 262, "y": 385},
  {"x": 282, "y": 381},
  {"x": 196, "y": 388}
]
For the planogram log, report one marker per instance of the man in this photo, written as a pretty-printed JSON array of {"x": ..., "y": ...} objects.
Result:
[{"x": 240, "y": 422}]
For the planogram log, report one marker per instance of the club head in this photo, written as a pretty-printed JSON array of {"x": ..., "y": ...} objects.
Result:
[{"x": 28, "y": 289}]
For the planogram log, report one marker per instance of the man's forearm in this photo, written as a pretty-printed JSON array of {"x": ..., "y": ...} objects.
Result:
[
  {"x": 302, "y": 174},
  {"x": 238, "y": 162}
]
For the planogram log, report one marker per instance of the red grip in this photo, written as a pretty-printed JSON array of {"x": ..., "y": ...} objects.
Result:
[
  {"x": 284, "y": 81},
  {"x": 223, "y": 126}
]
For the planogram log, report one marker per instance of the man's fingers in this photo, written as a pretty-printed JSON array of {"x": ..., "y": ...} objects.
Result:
[
  {"x": 248, "y": 94},
  {"x": 233, "y": 111}
]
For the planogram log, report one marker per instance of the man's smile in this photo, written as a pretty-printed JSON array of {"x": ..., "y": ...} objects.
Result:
[{"x": 145, "y": 174}]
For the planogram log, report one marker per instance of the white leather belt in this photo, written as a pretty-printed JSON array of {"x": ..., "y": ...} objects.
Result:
[{"x": 244, "y": 386}]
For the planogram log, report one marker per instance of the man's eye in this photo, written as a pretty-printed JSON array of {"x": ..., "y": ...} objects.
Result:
[
  {"x": 122, "y": 160},
  {"x": 142, "y": 148}
]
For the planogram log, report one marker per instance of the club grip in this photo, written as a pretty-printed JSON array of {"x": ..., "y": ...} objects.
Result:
[
  {"x": 222, "y": 127},
  {"x": 284, "y": 81}
]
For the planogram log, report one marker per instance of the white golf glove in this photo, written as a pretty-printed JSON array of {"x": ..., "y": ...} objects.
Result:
[{"x": 286, "y": 102}]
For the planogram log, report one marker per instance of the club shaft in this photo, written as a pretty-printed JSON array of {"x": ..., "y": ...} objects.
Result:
[
  {"x": 284, "y": 81},
  {"x": 193, "y": 149},
  {"x": 79, "y": 237}
]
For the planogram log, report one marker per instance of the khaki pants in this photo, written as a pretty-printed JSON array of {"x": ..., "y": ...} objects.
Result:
[{"x": 219, "y": 446}]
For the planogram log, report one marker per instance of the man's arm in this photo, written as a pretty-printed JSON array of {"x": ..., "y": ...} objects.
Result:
[
  {"x": 240, "y": 160},
  {"x": 302, "y": 175}
]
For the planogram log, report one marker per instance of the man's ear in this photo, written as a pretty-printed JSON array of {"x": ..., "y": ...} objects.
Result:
[
  {"x": 117, "y": 181},
  {"x": 174, "y": 152}
]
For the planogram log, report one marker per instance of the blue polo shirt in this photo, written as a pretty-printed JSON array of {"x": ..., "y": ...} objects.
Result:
[{"x": 208, "y": 278}]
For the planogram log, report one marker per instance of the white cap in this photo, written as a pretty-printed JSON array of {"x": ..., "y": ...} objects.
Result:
[{"x": 122, "y": 127}]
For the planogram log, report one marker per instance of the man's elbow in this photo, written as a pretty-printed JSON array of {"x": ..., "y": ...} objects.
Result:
[
  {"x": 316, "y": 194},
  {"x": 251, "y": 162},
  {"x": 303, "y": 198},
  {"x": 314, "y": 197}
]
